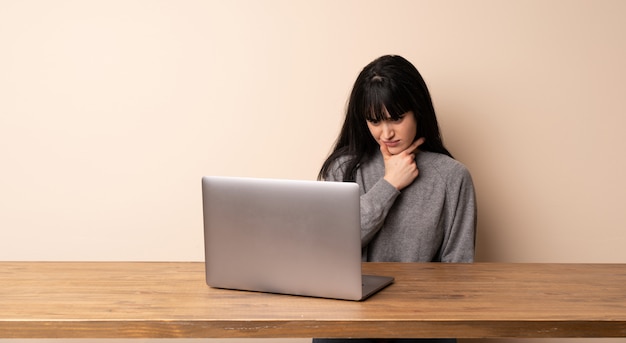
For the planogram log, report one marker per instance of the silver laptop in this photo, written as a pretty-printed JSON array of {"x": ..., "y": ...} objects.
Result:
[{"x": 285, "y": 236}]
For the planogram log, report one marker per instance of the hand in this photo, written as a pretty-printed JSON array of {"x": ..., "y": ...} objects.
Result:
[{"x": 400, "y": 169}]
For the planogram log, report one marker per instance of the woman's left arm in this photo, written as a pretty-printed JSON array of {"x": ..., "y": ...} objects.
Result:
[{"x": 461, "y": 217}]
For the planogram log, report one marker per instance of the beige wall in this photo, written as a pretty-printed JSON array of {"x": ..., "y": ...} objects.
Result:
[{"x": 111, "y": 111}]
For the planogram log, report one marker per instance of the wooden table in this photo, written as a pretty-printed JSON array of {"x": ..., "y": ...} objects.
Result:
[{"x": 171, "y": 300}]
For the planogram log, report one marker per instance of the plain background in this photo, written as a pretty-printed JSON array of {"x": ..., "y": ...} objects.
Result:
[{"x": 111, "y": 111}]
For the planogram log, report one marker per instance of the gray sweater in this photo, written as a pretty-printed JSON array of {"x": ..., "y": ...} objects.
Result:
[{"x": 431, "y": 220}]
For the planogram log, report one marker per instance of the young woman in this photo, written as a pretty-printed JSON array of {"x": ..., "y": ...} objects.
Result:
[{"x": 417, "y": 202}]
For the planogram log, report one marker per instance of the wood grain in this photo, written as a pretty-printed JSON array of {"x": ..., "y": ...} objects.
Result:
[{"x": 171, "y": 300}]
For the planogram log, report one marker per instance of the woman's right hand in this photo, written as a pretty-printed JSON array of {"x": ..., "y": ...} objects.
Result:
[{"x": 401, "y": 169}]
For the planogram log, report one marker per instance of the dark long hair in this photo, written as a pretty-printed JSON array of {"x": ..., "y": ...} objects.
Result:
[{"x": 389, "y": 84}]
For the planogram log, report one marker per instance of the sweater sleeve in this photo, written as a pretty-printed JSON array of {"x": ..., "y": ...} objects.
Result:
[
  {"x": 374, "y": 204},
  {"x": 460, "y": 216}
]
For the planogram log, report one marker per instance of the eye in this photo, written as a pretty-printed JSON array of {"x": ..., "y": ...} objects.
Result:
[
  {"x": 373, "y": 121},
  {"x": 399, "y": 119}
]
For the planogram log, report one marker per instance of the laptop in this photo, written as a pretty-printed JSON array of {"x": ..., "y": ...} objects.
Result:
[{"x": 285, "y": 236}]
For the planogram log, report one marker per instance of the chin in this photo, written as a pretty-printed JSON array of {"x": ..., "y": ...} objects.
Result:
[{"x": 396, "y": 150}]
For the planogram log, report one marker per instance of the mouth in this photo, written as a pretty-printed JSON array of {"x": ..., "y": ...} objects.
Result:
[{"x": 391, "y": 144}]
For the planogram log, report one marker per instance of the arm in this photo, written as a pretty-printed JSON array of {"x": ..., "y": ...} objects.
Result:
[
  {"x": 374, "y": 204},
  {"x": 400, "y": 171},
  {"x": 460, "y": 216}
]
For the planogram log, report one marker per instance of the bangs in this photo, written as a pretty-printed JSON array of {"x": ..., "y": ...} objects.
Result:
[{"x": 381, "y": 98}]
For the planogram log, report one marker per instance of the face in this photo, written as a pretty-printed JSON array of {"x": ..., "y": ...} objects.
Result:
[{"x": 397, "y": 135}]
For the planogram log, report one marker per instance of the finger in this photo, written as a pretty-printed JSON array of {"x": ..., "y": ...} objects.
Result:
[
  {"x": 420, "y": 141},
  {"x": 384, "y": 150},
  {"x": 416, "y": 144}
]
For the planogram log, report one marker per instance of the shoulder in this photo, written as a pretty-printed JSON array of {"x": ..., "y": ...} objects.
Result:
[
  {"x": 443, "y": 167},
  {"x": 338, "y": 168}
]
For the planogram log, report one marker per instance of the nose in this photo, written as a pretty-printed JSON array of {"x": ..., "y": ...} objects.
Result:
[{"x": 387, "y": 130}]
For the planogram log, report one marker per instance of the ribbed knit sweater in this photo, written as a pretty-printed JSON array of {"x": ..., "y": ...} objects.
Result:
[{"x": 431, "y": 220}]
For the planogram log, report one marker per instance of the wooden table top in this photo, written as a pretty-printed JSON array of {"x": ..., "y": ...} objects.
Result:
[{"x": 171, "y": 300}]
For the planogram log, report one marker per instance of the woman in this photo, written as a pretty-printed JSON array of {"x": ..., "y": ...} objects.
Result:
[{"x": 417, "y": 202}]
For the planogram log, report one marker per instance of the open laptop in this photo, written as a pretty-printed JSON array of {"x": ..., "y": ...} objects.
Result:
[{"x": 285, "y": 236}]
